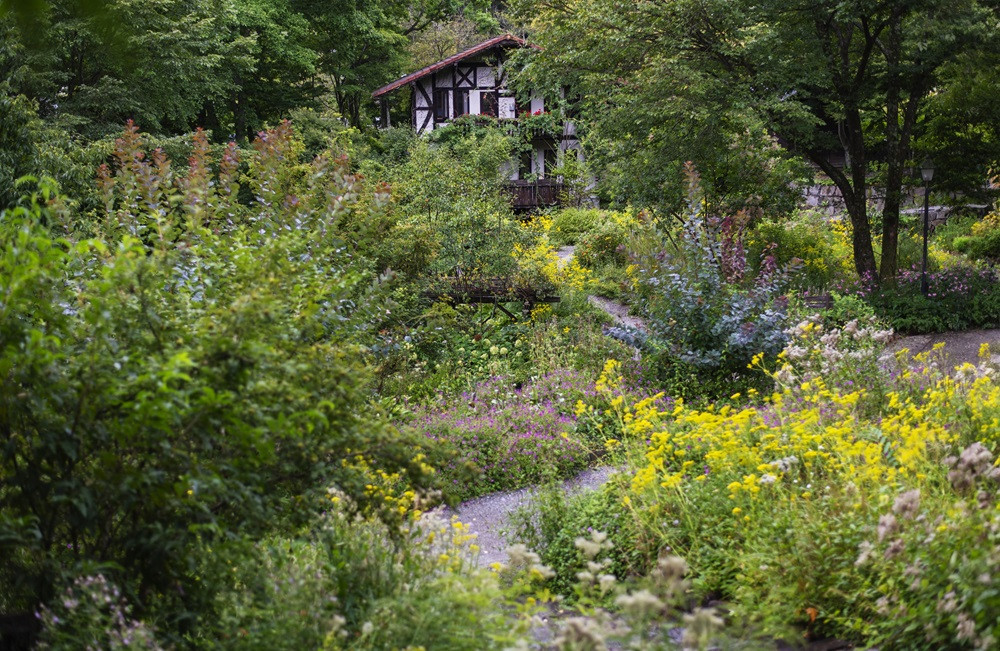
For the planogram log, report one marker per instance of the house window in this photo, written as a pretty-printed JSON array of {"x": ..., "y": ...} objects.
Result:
[
  {"x": 526, "y": 165},
  {"x": 441, "y": 98},
  {"x": 573, "y": 102},
  {"x": 551, "y": 160},
  {"x": 461, "y": 102},
  {"x": 488, "y": 104}
]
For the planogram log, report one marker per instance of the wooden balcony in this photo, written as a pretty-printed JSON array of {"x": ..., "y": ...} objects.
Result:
[{"x": 531, "y": 195}]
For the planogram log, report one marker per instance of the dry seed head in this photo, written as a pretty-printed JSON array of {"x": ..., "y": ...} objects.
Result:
[
  {"x": 894, "y": 548},
  {"x": 589, "y": 548},
  {"x": 520, "y": 557},
  {"x": 965, "y": 628},
  {"x": 541, "y": 572},
  {"x": 670, "y": 569},
  {"x": 700, "y": 626},
  {"x": 641, "y": 604},
  {"x": 581, "y": 634},
  {"x": 907, "y": 504},
  {"x": 887, "y": 526},
  {"x": 864, "y": 553}
]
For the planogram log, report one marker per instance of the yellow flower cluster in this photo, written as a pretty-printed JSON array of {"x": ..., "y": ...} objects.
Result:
[
  {"x": 386, "y": 492},
  {"x": 812, "y": 434},
  {"x": 541, "y": 261}
]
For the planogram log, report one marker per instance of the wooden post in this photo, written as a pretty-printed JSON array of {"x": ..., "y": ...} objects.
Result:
[{"x": 386, "y": 123}]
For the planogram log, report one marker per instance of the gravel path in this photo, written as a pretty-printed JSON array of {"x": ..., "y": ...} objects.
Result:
[
  {"x": 565, "y": 253},
  {"x": 617, "y": 311},
  {"x": 487, "y": 515},
  {"x": 959, "y": 347}
]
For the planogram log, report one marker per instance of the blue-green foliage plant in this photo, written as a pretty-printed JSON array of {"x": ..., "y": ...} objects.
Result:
[{"x": 708, "y": 317}]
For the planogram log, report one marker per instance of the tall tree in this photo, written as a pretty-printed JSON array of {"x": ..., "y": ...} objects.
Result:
[
  {"x": 364, "y": 44},
  {"x": 822, "y": 76},
  {"x": 157, "y": 64},
  {"x": 269, "y": 67}
]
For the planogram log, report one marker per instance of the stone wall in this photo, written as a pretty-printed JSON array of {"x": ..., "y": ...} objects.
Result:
[{"x": 826, "y": 199}]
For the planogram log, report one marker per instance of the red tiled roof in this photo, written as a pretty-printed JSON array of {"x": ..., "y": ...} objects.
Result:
[{"x": 503, "y": 39}]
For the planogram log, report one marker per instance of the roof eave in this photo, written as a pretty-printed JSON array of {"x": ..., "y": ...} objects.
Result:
[{"x": 485, "y": 46}]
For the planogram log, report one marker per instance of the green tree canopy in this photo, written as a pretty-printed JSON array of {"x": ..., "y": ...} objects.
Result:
[{"x": 849, "y": 78}]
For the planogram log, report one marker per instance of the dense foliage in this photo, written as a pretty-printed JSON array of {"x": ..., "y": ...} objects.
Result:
[
  {"x": 184, "y": 375},
  {"x": 239, "y": 393},
  {"x": 845, "y": 502},
  {"x": 842, "y": 85}
]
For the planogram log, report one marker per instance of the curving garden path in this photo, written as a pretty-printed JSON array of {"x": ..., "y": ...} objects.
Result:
[
  {"x": 959, "y": 347},
  {"x": 615, "y": 309},
  {"x": 487, "y": 516}
]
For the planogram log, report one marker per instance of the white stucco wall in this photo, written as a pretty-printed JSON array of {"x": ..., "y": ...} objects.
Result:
[
  {"x": 537, "y": 103},
  {"x": 507, "y": 107}
]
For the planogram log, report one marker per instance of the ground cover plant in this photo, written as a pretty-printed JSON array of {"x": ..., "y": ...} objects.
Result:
[
  {"x": 513, "y": 437},
  {"x": 844, "y": 503},
  {"x": 960, "y": 297}
]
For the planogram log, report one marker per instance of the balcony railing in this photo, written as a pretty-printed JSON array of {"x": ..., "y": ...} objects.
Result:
[{"x": 529, "y": 195}]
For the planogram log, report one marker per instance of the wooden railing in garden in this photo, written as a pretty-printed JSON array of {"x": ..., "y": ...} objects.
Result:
[
  {"x": 529, "y": 195},
  {"x": 495, "y": 291}
]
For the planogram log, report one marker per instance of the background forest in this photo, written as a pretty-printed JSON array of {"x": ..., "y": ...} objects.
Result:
[{"x": 242, "y": 382}]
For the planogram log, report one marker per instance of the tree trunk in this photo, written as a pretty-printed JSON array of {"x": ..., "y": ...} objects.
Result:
[
  {"x": 861, "y": 240},
  {"x": 894, "y": 180},
  {"x": 895, "y": 152},
  {"x": 856, "y": 203}
]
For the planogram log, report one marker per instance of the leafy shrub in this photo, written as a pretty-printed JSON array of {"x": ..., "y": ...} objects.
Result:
[
  {"x": 18, "y": 153},
  {"x": 611, "y": 281},
  {"x": 979, "y": 240},
  {"x": 555, "y": 520},
  {"x": 707, "y": 320},
  {"x": 980, "y": 247},
  {"x": 958, "y": 298},
  {"x": 910, "y": 251},
  {"x": 409, "y": 248},
  {"x": 351, "y": 583},
  {"x": 92, "y": 612},
  {"x": 944, "y": 235},
  {"x": 820, "y": 246},
  {"x": 846, "y": 308},
  {"x": 603, "y": 246},
  {"x": 569, "y": 224},
  {"x": 541, "y": 269},
  {"x": 445, "y": 212},
  {"x": 181, "y": 378}
]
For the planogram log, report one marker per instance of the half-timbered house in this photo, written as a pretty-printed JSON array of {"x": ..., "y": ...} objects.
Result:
[{"x": 474, "y": 82}]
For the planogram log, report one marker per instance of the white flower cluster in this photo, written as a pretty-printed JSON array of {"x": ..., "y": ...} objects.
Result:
[
  {"x": 784, "y": 464},
  {"x": 813, "y": 352}
]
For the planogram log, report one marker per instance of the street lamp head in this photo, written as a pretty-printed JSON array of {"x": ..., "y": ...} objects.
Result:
[{"x": 927, "y": 170}]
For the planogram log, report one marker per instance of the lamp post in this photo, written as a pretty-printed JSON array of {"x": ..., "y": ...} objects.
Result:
[{"x": 927, "y": 173}]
